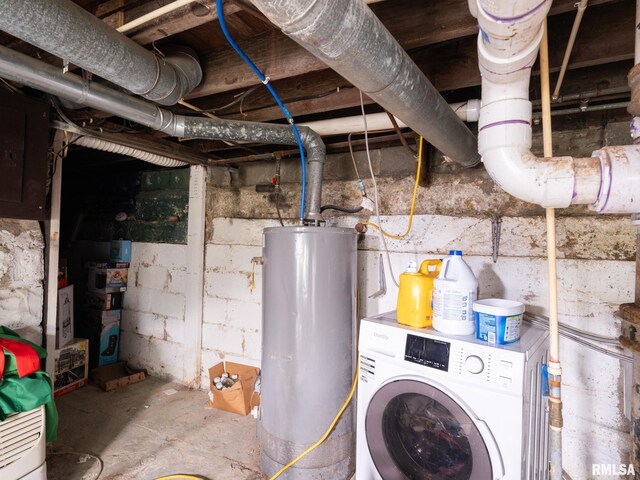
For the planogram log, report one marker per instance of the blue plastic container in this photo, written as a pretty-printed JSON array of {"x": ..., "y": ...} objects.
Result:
[{"x": 498, "y": 321}]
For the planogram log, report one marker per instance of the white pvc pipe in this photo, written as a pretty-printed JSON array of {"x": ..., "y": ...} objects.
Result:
[
  {"x": 507, "y": 50},
  {"x": 170, "y": 7},
  {"x": 468, "y": 111},
  {"x": 582, "y": 6}
]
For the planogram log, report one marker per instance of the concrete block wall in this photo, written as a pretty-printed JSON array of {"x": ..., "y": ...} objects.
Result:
[
  {"x": 596, "y": 274},
  {"x": 154, "y": 310},
  {"x": 22, "y": 277},
  {"x": 232, "y": 310}
]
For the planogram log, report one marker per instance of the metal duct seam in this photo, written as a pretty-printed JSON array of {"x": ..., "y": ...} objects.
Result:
[
  {"x": 68, "y": 31},
  {"x": 105, "y": 146}
]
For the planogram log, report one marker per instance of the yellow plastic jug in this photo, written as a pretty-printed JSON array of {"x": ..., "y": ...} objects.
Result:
[{"x": 414, "y": 296}]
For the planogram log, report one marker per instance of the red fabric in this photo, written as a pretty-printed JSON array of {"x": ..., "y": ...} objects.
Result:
[{"x": 27, "y": 360}]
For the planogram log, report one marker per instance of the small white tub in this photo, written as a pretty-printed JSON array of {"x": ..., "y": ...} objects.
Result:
[{"x": 498, "y": 321}]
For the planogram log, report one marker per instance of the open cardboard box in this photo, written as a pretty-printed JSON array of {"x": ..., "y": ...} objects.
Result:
[
  {"x": 240, "y": 398},
  {"x": 116, "y": 376}
]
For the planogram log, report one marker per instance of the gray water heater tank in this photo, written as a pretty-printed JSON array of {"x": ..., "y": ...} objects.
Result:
[{"x": 308, "y": 361}]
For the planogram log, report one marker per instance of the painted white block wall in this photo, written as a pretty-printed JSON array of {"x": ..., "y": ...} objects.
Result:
[
  {"x": 154, "y": 310},
  {"x": 590, "y": 287},
  {"x": 22, "y": 277},
  {"x": 232, "y": 310}
]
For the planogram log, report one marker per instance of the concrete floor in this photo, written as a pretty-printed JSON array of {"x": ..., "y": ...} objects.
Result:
[{"x": 145, "y": 431}]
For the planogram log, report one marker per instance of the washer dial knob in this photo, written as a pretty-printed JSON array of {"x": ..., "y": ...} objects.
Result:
[{"x": 474, "y": 364}]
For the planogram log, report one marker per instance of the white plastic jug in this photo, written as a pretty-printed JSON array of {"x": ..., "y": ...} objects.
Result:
[{"x": 454, "y": 292}]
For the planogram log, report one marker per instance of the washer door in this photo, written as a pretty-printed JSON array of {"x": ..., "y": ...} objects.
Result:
[{"x": 416, "y": 431}]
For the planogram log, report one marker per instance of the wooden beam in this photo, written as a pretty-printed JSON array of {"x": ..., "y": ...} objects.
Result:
[
  {"x": 415, "y": 24},
  {"x": 178, "y": 21},
  {"x": 605, "y": 38}
]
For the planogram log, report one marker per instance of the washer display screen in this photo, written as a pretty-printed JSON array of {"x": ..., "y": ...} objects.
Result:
[{"x": 427, "y": 351}]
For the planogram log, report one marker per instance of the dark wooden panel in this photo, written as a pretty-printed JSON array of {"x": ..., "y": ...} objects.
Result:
[
  {"x": 12, "y": 125},
  {"x": 24, "y": 138}
]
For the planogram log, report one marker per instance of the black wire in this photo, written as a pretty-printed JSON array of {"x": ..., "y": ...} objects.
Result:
[
  {"x": 294, "y": 99},
  {"x": 340, "y": 209},
  {"x": 235, "y": 101}
]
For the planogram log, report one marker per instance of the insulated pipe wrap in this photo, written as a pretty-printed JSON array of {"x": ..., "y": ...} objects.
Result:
[
  {"x": 68, "y": 31},
  {"x": 349, "y": 38},
  {"x": 105, "y": 146}
]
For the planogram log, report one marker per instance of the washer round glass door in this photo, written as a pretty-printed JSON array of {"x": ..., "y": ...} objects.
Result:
[{"x": 416, "y": 431}]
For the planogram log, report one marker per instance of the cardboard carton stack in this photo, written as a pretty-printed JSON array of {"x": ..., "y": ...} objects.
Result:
[
  {"x": 71, "y": 361},
  {"x": 106, "y": 284}
]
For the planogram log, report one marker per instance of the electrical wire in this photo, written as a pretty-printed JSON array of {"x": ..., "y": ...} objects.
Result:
[
  {"x": 340, "y": 209},
  {"x": 239, "y": 98},
  {"x": 353, "y": 158},
  {"x": 396, "y": 127},
  {"x": 196, "y": 109},
  {"x": 183, "y": 476},
  {"x": 586, "y": 339},
  {"x": 294, "y": 99},
  {"x": 83, "y": 454},
  {"x": 413, "y": 202},
  {"x": 375, "y": 188},
  {"x": 265, "y": 81},
  {"x": 329, "y": 430}
]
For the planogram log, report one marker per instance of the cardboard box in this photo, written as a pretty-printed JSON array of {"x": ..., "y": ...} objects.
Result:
[
  {"x": 118, "y": 375},
  {"x": 102, "y": 328},
  {"x": 240, "y": 398},
  {"x": 64, "y": 324},
  {"x": 120, "y": 251},
  {"x": 107, "y": 277},
  {"x": 71, "y": 367},
  {"x": 104, "y": 301}
]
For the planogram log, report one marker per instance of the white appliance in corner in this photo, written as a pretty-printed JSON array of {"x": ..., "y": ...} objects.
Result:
[
  {"x": 433, "y": 406},
  {"x": 22, "y": 446}
]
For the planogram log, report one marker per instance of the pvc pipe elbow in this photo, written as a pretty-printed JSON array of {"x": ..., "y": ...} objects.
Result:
[{"x": 548, "y": 183}]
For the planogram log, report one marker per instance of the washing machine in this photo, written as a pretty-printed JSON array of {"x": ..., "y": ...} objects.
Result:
[{"x": 433, "y": 406}]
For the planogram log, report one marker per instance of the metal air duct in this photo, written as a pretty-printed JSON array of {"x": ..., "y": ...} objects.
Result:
[
  {"x": 349, "y": 38},
  {"x": 29, "y": 71},
  {"x": 68, "y": 31}
]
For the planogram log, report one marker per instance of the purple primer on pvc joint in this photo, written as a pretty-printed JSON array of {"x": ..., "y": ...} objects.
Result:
[
  {"x": 518, "y": 18},
  {"x": 609, "y": 190},
  {"x": 505, "y": 122}
]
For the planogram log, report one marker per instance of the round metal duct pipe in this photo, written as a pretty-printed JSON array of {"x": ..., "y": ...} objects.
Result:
[
  {"x": 308, "y": 344},
  {"x": 68, "y": 31}
]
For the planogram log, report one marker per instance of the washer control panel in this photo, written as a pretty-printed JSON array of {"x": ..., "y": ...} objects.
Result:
[
  {"x": 427, "y": 351},
  {"x": 474, "y": 364}
]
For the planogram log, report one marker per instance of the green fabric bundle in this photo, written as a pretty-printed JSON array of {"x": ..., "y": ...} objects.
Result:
[{"x": 29, "y": 392}]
